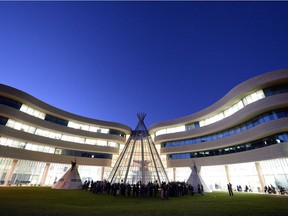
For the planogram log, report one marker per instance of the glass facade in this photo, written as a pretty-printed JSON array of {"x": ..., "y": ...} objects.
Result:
[
  {"x": 59, "y": 136},
  {"x": 50, "y": 150},
  {"x": 260, "y": 119},
  {"x": 9, "y": 102},
  {"x": 140, "y": 154},
  {"x": 33, "y": 112},
  {"x": 245, "y": 174},
  {"x": 38, "y": 114},
  {"x": 255, "y": 96},
  {"x": 3, "y": 120},
  {"x": 32, "y": 173},
  {"x": 95, "y": 129},
  {"x": 56, "y": 120},
  {"x": 275, "y": 173},
  {"x": 215, "y": 177},
  {"x": 267, "y": 141},
  {"x": 5, "y": 165},
  {"x": 182, "y": 173},
  {"x": 279, "y": 89},
  {"x": 28, "y": 172},
  {"x": 234, "y": 108}
]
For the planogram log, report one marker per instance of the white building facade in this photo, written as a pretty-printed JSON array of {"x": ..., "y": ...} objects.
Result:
[{"x": 241, "y": 139}]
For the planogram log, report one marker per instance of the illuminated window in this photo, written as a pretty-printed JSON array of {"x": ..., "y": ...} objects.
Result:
[
  {"x": 33, "y": 112},
  {"x": 54, "y": 135},
  {"x": 94, "y": 129},
  {"x": 257, "y": 120},
  {"x": 218, "y": 117}
]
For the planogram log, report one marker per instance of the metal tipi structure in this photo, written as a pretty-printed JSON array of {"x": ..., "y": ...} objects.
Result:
[{"x": 139, "y": 160}]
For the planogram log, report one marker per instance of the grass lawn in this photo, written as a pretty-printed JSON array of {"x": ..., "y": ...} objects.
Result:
[{"x": 46, "y": 201}]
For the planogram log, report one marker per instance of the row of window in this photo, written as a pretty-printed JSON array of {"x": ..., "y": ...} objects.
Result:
[
  {"x": 9, "y": 102},
  {"x": 234, "y": 108},
  {"x": 56, "y": 120},
  {"x": 88, "y": 127},
  {"x": 54, "y": 135},
  {"x": 38, "y": 114},
  {"x": 266, "y": 92},
  {"x": 75, "y": 125},
  {"x": 279, "y": 89},
  {"x": 271, "y": 140},
  {"x": 50, "y": 150},
  {"x": 224, "y": 114},
  {"x": 85, "y": 154},
  {"x": 260, "y": 119},
  {"x": 33, "y": 112}
]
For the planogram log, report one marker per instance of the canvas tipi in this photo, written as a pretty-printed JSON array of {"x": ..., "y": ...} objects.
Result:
[
  {"x": 195, "y": 179},
  {"x": 70, "y": 180},
  {"x": 139, "y": 160}
]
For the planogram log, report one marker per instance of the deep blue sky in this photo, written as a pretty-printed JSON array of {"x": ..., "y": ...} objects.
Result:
[{"x": 110, "y": 60}]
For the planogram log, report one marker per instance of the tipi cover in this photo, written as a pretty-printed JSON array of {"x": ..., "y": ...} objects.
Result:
[
  {"x": 139, "y": 160},
  {"x": 70, "y": 180},
  {"x": 195, "y": 179}
]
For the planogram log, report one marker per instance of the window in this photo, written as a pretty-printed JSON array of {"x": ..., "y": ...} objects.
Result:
[
  {"x": 56, "y": 120},
  {"x": 255, "y": 122},
  {"x": 280, "y": 89},
  {"x": 271, "y": 140},
  {"x": 9, "y": 102},
  {"x": 3, "y": 120},
  {"x": 262, "y": 118}
]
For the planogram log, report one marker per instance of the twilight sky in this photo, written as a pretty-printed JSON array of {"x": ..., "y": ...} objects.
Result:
[{"x": 111, "y": 60}]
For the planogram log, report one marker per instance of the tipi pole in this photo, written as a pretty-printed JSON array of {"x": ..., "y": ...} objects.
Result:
[
  {"x": 133, "y": 147},
  {"x": 142, "y": 164},
  {"x": 115, "y": 168},
  {"x": 136, "y": 150},
  {"x": 158, "y": 157},
  {"x": 119, "y": 160},
  {"x": 155, "y": 165},
  {"x": 128, "y": 167}
]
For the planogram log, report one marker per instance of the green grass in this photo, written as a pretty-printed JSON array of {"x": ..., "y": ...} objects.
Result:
[{"x": 46, "y": 201}]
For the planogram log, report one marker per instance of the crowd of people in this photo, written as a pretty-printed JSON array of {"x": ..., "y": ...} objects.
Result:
[
  {"x": 270, "y": 189},
  {"x": 246, "y": 188},
  {"x": 151, "y": 189},
  {"x": 163, "y": 190}
]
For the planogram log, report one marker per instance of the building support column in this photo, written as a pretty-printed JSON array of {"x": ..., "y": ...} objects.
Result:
[
  {"x": 9, "y": 175},
  {"x": 260, "y": 176},
  {"x": 174, "y": 174},
  {"x": 227, "y": 174},
  {"x": 102, "y": 173},
  {"x": 45, "y": 173}
]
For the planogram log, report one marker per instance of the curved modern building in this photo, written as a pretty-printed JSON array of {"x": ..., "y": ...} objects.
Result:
[
  {"x": 38, "y": 141},
  {"x": 242, "y": 139}
]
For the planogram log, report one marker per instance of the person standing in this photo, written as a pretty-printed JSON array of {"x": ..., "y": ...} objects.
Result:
[
  {"x": 202, "y": 190},
  {"x": 230, "y": 189}
]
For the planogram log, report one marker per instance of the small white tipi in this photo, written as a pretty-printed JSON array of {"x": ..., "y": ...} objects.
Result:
[
  {"x": 195, "y": 179},
  {"x": 70, "y": 180}
]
